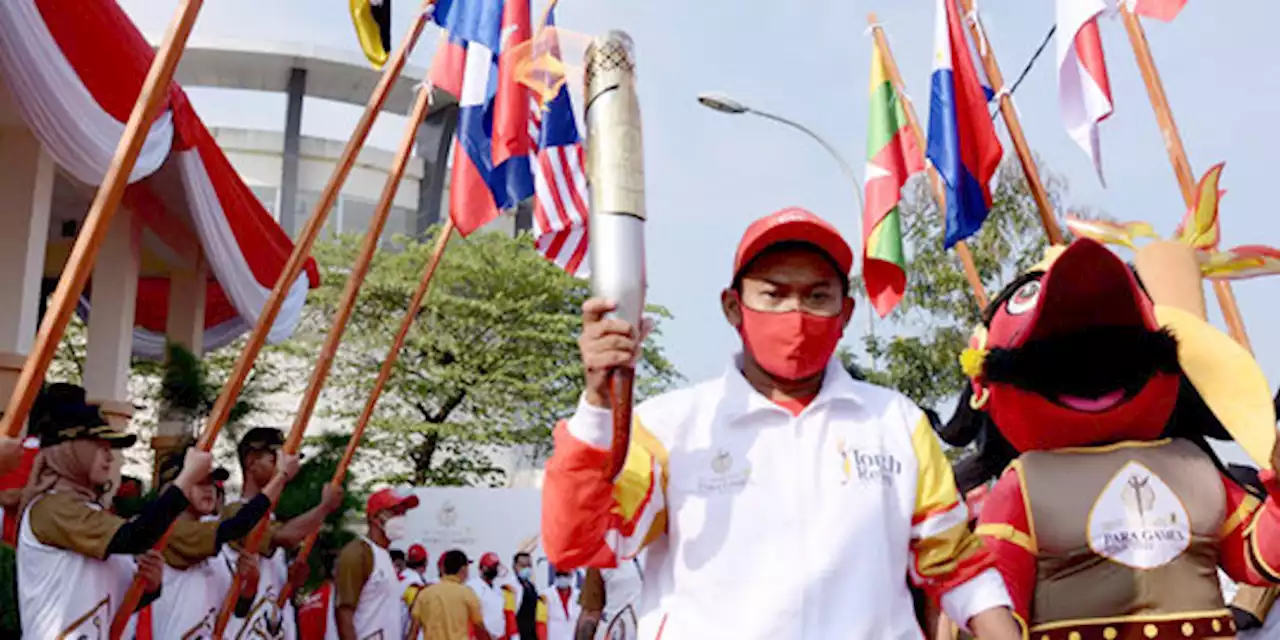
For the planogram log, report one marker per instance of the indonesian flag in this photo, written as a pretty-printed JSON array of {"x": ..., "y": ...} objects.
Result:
[
  {"x": 1084, "y": 91},
  {"x": 1165, "y": 10}
]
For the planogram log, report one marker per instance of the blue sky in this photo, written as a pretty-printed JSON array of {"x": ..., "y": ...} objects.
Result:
[{"x": 709, "y": 175}]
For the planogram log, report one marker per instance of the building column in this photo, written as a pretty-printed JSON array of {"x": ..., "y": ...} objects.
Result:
[
  {"x": 188, "y": 287},
  {"x": 26, "y": 189},
  {"x": 292, "y": 143},
  {"x": 435, "y": 139},
  {"x": 109, "y": 341}
]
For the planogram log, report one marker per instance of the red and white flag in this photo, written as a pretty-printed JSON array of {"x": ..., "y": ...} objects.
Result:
[
  {"x": 1165, "y": 10},
  {"x": 1084, "y": 91}
]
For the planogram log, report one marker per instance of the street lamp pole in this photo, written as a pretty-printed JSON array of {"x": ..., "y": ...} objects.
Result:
[{"x": 725, "y": 104}]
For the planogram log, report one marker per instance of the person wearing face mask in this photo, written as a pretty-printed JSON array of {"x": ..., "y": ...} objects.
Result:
[
  {"x": 369, "y": 598},
  {"x": 73, "y": 564},
  {"x": 522, "y": 605},
  {"x": 784, "y": 451},
  {"x": 563, "y": 607},
  {"x": 491, "y": 594},
  {"x": 195, "y": 580}
]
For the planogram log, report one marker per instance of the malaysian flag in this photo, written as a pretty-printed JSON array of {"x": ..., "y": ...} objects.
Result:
[{"x": 560, "y": 182}]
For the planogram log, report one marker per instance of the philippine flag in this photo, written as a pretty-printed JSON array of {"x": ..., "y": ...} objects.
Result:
[{"x": 962, "y": 139}]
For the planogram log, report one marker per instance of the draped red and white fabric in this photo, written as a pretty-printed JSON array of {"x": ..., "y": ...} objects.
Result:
[
  {"x": 74, "y": 75},
  {"x": 1084, "y": 89}
]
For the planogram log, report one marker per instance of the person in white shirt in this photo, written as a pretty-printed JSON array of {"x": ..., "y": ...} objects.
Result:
[
  {"x": 73, "y": 554},
  {"x": 195, "y": 578},
  {"x": 783, "y": 499},
  {"x": 562, "y": 603},
  {"x": 369, "y": 598},
  {"x": 491, "y": 594}
]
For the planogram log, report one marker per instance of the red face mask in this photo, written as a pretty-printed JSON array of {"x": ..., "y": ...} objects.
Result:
[{"x": 792, "y": 345}]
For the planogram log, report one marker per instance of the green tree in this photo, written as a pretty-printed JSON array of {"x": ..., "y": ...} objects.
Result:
[
  {"x": 491, "y": 362},
  {"x": 918, "y": 353}
]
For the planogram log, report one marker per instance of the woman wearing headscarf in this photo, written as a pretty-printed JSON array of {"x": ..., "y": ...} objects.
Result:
[
  {"x": 195, "y": 577},
  {"x": 73, "y": 554}
]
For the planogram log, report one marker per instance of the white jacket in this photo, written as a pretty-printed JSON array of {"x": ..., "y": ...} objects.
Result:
[{"x": 761, "y": 524}]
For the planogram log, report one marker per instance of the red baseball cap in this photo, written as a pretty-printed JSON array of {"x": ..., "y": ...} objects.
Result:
[
  {"x": 416, "y": 553},
  {"x": 489, "y": 559},
  {"x": 389, "y": 499},
  {"x": 792, "y": 224}
]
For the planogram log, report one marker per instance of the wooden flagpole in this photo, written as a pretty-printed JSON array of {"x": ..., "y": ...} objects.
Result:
[
  {"x": 900, "y": 87},
  {"x": 292, "y": 269},
  {"x": 1178, "y": 158},
  {"x": 346, "y": 305},
  {"x": 155, "y": 88},
  {"x": 384, "y": 374},
  {"x": 1014, "y": 126}
]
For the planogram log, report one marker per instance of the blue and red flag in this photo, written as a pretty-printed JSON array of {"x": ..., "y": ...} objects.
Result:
[
  {"x": 494, "y": 144},
  {"x": 560, "y": 210},
  {"x": 962, "y": 139}
]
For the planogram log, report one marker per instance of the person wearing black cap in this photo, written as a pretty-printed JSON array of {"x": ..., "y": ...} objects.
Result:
[
  {"x": 73, "y": 564},
  {"x": 195, "y": 580},
  {"x": 259, "y": 454},
  {"x": 449, "y": 610},
  {"x": 784, "y": 451}
]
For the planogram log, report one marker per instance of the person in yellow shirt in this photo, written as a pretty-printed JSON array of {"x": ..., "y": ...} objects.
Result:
[{"x": 449, "y": 610}]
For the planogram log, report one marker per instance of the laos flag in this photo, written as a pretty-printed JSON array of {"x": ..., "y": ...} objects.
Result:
[{"x": 962, "y": 139}]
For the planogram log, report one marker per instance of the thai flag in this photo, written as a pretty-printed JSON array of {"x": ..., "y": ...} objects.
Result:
[
  {"x": 491, "y": 152},
  {"x": 560, "y": 183},
  {"x": 962, "y": 139},
  {"x": 1084, "y": 89}
]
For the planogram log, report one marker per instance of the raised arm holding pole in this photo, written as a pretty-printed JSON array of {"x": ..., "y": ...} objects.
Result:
[
  {"x": 346, "y": 304},
  {"x": 900, "y": 87},
  {"x": 1178, "y": 158},
  {"x": 1014, "y": 126},
  {"x": 155, "y": 89},
  {"x": 292, "y": 269}
]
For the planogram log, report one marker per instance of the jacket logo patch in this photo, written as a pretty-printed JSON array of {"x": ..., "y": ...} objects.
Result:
[
  {"x": 726, "y": 475},
  {"x": 867, "y": 466},
  {"x": 1138, "y": 520}
]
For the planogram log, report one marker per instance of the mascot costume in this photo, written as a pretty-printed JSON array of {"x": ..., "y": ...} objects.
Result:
[{"x": 1091, "y": 396}]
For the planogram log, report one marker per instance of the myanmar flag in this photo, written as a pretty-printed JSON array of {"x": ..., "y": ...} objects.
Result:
[
  {"x": 372, "y": 19},
  {"x": 892, "y": 156}
]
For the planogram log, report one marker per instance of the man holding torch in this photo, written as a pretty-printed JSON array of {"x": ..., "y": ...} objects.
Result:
[{"x": 783, "y": 499}]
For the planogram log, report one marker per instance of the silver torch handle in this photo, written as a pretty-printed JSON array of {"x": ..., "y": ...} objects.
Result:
[{"x": 615, "y": 177}]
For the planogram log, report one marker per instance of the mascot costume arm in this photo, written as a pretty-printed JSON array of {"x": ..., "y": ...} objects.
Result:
[{"x": 1006, "y": 531}]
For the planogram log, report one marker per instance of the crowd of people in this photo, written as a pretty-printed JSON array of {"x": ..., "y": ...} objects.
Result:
[
  {"x": 78, "y": 545},
  {"x": 787, "y": 499}
]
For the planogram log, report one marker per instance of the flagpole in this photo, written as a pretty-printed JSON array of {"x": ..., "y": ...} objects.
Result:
[
  {"x": 1178, "y": 158},
  {"x": 292, "y": 269},
  {"x": 900, "y": 87},
  {"x": 384, "y": 374},
  {"x": 1014, "y": 126},
  {"x": 338, "y": 326},
  {"x": 84, "y": 252}
]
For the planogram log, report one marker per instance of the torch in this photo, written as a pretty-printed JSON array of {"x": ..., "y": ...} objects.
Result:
[{"x": 615, "y": 175}]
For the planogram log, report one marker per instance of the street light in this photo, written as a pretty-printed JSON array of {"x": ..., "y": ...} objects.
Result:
[{"x": 724, "y": 104}]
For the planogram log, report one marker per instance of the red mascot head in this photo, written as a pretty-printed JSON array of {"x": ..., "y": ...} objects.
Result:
[{"x": 1071, "y": 354}]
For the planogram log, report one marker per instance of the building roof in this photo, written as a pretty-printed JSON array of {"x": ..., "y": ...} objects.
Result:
[{"x": 333, "y": 74}]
